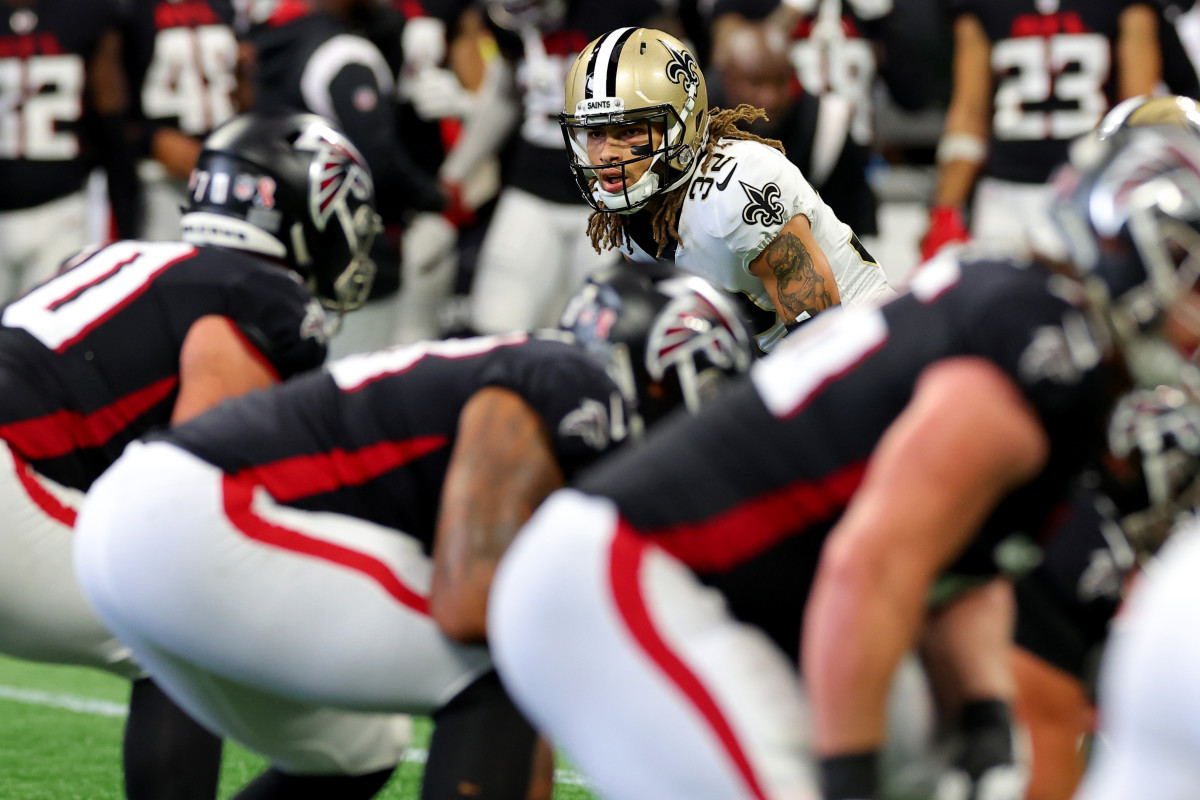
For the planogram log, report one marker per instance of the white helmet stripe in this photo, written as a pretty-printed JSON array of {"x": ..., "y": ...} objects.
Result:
[{"x": 604, "y": 60}]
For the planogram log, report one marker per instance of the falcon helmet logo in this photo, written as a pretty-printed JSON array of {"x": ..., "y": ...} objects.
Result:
[
  {"x": 337, "y": 170},
  {"x": 692, "y": 325},
  {"x": 765, "y": 206}
]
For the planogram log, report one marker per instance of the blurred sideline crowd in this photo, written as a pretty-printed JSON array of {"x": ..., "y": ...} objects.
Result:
[{"x": 885, "y": 107}]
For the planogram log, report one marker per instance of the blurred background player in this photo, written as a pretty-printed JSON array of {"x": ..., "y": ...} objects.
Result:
[
  {"x": 869, "y": 55},
  {"x": 1028, "y": 77},
  {"x": 137, "y": 335},
  {"x": 750, "y": 65},
  {"x": 537, "y": 251},
  {"x": 63, "y": 107},
  {"x": 669, "y": 179},
  {"x": 308, "y": 55},
  {"x": 436, "y": 449},
  {"x": 182, "y": 61}
]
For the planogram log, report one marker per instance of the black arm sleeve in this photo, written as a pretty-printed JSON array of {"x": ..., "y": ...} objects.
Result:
[{"x": 368, "y": 117}]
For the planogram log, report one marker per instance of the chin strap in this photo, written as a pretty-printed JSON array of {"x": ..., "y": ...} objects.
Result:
[{"x": 631, "y": 198}]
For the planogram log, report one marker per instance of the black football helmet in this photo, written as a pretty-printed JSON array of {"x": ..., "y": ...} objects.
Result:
[
  {"x": 667, "y": 338},
  {"x": 1127, "y": 214},
  {"x": 291, "y": 187}
]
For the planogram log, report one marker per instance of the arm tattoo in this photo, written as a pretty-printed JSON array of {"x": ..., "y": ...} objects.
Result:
[{"x": 800, "y": 287}]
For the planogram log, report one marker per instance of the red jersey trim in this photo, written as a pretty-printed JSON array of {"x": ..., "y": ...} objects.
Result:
[
  {"x": 238, "y": 494},
  {"x": 626, "y": 555},
  {"x": 303, "y": 476},
  {"x": 289, "y": 10},
  {"x": 40, "y": 495},
  {"x": 63, "y": 432},
  {"x": 749, "y": 528}
]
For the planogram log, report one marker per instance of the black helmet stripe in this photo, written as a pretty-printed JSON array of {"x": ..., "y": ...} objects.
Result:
[{"x": 605, "y": 57}]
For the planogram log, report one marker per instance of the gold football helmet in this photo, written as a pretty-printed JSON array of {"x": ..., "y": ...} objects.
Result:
[
  {"x": 1174, "y": 110},
  {"x": 636, "y": 75}
]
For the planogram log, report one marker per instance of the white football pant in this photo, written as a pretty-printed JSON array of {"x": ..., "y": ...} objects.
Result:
[
  {"x": 615, "y": 651},
  {"x": 534, "y": 257},
  {"x": 43, "y": 614},
  {"x": 34, "y": 242},
  {"x": 164, "y": 199},
  {"x": 1149, "y": 689},
  {"x": 637, "y": 671},
  {"x": 268, "y": 624},
  {"x": 1004, "y": 213}
]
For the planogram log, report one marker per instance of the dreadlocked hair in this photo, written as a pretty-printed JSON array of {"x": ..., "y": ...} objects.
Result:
[{"x": 607, "y": 230}]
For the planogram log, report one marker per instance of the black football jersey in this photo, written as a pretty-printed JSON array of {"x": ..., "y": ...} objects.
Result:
[
  {"x": 538, "y": 162},
  {"x": 1065, "y": 605},
  {"x": 1053, "y": 78},
  {"x": 311, "y": 61},
  {"x": 370, "y": 436},
  {"x": 89, "y": 360},
  {"x": 746, "y": 491},
  {"x": 181, "y": 58},
  {"x": 44, "y": 54}
]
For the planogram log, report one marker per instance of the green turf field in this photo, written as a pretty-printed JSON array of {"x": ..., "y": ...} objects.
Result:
[{"x": 60, "y": 739}]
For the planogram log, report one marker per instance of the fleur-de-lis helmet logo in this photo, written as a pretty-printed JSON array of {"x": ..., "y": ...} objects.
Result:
[
  {"x": 683, "y": 69},
  {"x": 765, "y": 206}
]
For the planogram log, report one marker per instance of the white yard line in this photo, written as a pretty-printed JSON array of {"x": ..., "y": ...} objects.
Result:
[
  {"x": 107, "y": 708},
  {"x": 69, "y": 702}
]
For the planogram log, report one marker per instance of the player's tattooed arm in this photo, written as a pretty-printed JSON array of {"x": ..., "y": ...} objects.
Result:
[
  {"x": 795, "y": 272},
  {"x": 798, "y": 285},
  {"x": 501, "y": 469}
]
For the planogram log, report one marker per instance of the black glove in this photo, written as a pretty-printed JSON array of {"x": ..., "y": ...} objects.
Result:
[
  {"x": 986, "y": 762},
  {"x": 850, "y": 777}
]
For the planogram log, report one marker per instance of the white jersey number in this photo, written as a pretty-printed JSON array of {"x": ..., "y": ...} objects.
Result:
[
  {"x": 1070, "y": 67},
  {"x": 816, "y": 354},
  {"x": 192, "y": 77},
  {"x": 353, "y": 372},
  {"x": 65, "y": 308},
  {"x": 845, "y": 67},
  {"x": 36, "y": 94}
]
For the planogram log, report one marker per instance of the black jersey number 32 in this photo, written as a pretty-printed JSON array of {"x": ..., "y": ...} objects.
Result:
[{"x": 1049, "y": 88}]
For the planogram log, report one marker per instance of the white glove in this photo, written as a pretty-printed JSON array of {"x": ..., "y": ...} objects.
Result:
[{"x": 437, "y": 93}]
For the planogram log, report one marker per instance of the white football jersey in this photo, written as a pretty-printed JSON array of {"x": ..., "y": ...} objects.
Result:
[{"x": 738, "y": 205}]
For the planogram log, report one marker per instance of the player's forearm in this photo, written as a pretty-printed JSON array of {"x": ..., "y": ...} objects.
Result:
[
  {"x": 961, "y": 152},
  {"x": 176, "y": 151},
  {"x": 501, "y": 469},
  {"x": 954, "y": 182},
  {"x": 1139, "y": 58},
  {"x": 856, "y": 630}
]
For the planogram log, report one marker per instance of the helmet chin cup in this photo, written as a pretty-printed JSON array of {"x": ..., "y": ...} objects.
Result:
[{"x": 631, "y": 198}]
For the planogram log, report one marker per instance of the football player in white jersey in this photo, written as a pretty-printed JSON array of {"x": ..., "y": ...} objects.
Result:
[{"x": 672, "y": 180}]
